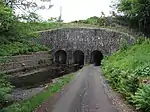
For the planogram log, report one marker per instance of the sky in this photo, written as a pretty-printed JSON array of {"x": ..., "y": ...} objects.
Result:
[{"x": 76, "y": 9}]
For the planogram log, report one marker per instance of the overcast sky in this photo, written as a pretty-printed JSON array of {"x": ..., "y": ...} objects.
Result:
[{"x": 76, "y": 9}]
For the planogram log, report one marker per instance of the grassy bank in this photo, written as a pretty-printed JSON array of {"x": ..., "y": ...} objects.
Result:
[
  {"x": 19, "y": 48},
  {"x": 39, "y": 26},
  {"x": 31, "y": 104},
  {"x": 19, "y": 44},
  {"x": 126, "y": 71}
]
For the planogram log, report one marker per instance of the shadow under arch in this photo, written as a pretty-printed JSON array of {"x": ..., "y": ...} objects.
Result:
[
  {"x": 60, "y": 57},
  {"x": 78, "y": 57},
  {"x": 96, "y": 57}
]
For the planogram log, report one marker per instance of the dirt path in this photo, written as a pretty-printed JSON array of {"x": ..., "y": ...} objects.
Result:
[
  {"x": 84, "y": 94},
  {"x": 88, "y": 92}
]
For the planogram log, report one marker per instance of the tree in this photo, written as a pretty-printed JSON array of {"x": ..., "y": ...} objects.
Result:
[
  {"x": 11, "y": 29},
  {"x": 28, "y": 8},
  {"x": 7, "y": 23},
  {"x": 27, "y": 4},
  {"x": 136, "y": 10}
]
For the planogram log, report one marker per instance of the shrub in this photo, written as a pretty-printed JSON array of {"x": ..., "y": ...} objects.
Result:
[
  {"x": 123, "y": 44},
  {"x": 126, "y": 68},
  {"x": 143, "y": 71},
  {"x": 100, "y": 21},
  {"x": 5, "y": 89},
  {"x": 142, "y": 98}
]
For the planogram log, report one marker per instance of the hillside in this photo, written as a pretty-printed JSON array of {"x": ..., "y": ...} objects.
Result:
[{"x": 128, "y": 72}]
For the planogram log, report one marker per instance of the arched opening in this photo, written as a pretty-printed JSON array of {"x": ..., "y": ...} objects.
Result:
[
  {"x": 78, "y": 57},
  {"x": 96, "y": 57},
  {"x": 61, "y": 57}
]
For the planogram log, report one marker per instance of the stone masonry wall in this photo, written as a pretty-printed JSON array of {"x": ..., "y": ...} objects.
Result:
[
  {"x": 16, "y": 63},
  {"x": 84, "y": 39}
]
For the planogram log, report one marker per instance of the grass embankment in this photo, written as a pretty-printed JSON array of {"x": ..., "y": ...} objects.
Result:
[
  {"x": 22, "y": 45},
  {"x": 39, "y": 26},
  {"x": 17, "y": 48},
  {"x": 126, "y": 71},
  {"x": 31, "y": 104}
]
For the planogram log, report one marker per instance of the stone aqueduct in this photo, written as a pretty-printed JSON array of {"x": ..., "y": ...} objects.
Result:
[{"x": 82, "y": 45}]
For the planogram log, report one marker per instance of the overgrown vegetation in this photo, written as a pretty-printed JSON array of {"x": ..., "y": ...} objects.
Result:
[
  {"x": 31, "y": 104},
  {"x": 13, "y": 32},
  {"x": 5, "y": 90},
  {"x": 136, "y": 12},
  {"x": 23, "y": 47},
  {"x": 126, "y": 72},
  {"x": 100, "y": 21},
  {"x": 14, "y": 36},
  {"x": 116, "y": 22}
]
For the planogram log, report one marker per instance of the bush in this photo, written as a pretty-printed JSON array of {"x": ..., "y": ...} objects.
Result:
[
  {"x": 124, "y": 44},
  {"x": 100, "y": 21},
  {"x": 142, "y": 98},
  {"x": 9, "y": 29},
  {"x": 143, "y": 71},
  {"x": 5, "y": 89},
  {"x": 126, "y": 68}
]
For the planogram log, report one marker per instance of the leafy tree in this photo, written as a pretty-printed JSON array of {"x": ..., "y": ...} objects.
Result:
[
  {"x": 137, "y": 11},
  {"x": 7, "y": 24},
  {"x": 11, "y": 29},
  {"x": 27, "y": 4},
  {"x": 28, "y": 8}
]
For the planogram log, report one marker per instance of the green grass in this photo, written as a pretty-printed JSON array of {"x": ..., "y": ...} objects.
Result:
[
  {"x": 124, "y": 69},
  {"x": 17, "y": 43},
  {"x": 16, "y": 46},
  {"x": 19, "y": 48},
  {"x": 132, "y": 58},
  {"x": 32, "y": 27},
  {"x": 36, "y": 26},
  {"x": 31, "y": 104}
]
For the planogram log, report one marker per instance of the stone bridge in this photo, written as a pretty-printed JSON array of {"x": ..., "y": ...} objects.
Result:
[{"x": 82, "y": 45}]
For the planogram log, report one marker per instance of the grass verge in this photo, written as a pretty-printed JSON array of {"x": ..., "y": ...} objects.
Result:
[
  {"x": 128, "y": 72},
  {"x": 31, "y": 104}
]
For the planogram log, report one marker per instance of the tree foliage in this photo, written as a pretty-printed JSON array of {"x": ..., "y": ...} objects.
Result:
[
  {"x": 8, "y": 24},
  {"x": 137, "y": 11},
  {"x": 14, "y": 37},
  {"x": 27, "y": 9},
  {"x": 28, "y": 5}
]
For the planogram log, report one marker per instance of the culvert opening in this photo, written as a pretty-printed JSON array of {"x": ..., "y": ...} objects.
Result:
[
  {"x": 61, "y": 57},
  {"x": 78, "y": 57},
  {"x": 96, "y": 58}
]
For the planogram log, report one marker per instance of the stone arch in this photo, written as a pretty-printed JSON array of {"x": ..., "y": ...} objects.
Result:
[
  {"x": 60, "y": 57},
  {"x": 78, "y": 57},
  {"x": 96, "y": 57},
  {"x": 84, "y": 39}
]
